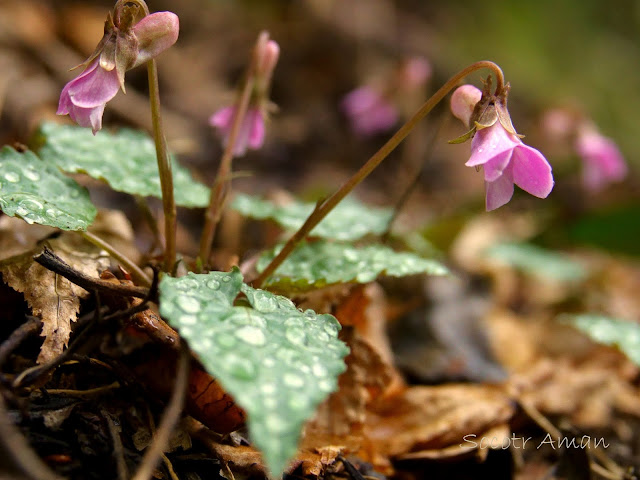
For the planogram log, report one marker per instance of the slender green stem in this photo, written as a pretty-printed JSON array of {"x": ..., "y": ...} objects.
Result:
[
  {"x": 220, "y": 187},
  {"x": 164, "y": 167},
  {"x": 136, "y": 272},
  {"x": 327, "y": 205}
]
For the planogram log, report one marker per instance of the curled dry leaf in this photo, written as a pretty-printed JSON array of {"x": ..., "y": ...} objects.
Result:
[
  {"x": 428, "y": 418},
  {"x": 50, "y": 296}
]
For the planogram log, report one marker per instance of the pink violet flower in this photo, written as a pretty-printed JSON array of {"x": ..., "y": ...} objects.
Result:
[
  {"x": 507, "y": 160},
  {"x": 496, "y": 147},
  {"x": 602, "y": 161},
  {"x": 368, "y": 111},
  {"x": 251, "y": 133},
  {"x": 124, "y": 46}
]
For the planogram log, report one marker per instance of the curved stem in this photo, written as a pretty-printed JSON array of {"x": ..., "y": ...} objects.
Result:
[
  {"x": 136, "y": 272},
  {"x": 325, "y": 207},
  {"x": 164, "y": 168},
  {"x": 220, "y": 187}
]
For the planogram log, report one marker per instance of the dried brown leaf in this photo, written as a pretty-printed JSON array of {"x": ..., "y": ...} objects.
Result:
[
  {"x": 428, "y": 418},
  {"x": 365, "y": 379},
  {"x": 18, "y": 237},
  {"x": 50, "y": 296}
]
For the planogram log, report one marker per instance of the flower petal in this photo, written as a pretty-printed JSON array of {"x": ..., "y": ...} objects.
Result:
[
  {"x": 499, "y": 192},
  {"x": 155, "y": 33},
  {"x": 495, "y": 167},
  {"x": 222, "y": 118},
  {"x": 93, "y": 87},
  {"x": 531, "y": 171},
  {"x": 88, "y": 117},
  {"x": 490, "y": 142},
  {"x": 603, "y": 162},
  {"x": 256, "y": 133}
]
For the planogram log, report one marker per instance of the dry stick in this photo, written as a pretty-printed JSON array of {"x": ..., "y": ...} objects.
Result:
[
  {"x": 118, "y": 449},
  {"x": 327, "y": 205},
  {"x": 22, "y": 455},
  {"x": 170, "y": 417},
  {"x": 136, "y": 272},
  {"x": 30, "y": 327},
  {"x": 164, "y": 167},
  {"x": 220, "y": 188},
  {"x": 613, "y": 468},
  {"x": 51, "y": 261}
]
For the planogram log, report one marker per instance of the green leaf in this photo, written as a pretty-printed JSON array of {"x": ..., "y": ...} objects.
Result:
[
  {"x": 39, "y": 193},
  {"x": 535, "y": 260},
  {"x": 126, "y": 160},
  {"x": 321, "y": 263},
  {"x": 350, "y": 220},
  {"x": 277, "y": 362},
  {"x": 610, "y": 331}
]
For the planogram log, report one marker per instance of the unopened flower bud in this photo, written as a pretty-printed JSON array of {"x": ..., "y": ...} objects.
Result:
[
  {"x": 463, "y": 101},
  {"x": 266, "y": 55}
]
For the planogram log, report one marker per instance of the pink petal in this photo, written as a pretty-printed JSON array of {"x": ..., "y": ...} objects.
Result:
[
  {"x": 499, "y": 192},
  {"x": 65, "y": 104},
  {"x": 256, "y": 130},
  {"x": 490, "y": 142},
  {"x": 359, "y": 100},
  {"x": 88, "y": 117},
  {"x": 95, "y": 86},
  {"x": 495, "y": 167},
  {"x": 222, "y": 118},
  {"x": 603, "y": 162},
  {"x": 531, "y": 171},
  {"x": 155, "y": 33}
]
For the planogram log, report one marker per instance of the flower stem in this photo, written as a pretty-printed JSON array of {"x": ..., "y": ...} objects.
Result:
[
  {"x": 164, "y": 167},
  {"x": 220, "y": 187},
  {"x": 136, "y": 272},
  {"x": 324, "y": 207}
]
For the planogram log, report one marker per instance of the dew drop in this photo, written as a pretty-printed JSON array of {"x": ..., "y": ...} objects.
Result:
[
  {"x": 188, "y": 304},
  {"x": 51, "y": 213},
  {"x": 251, "y": 335},
  {"x": 325, "y": 385},
  {"x": 188, "y": 319},
  {"x": 226, "y": 340},
  {"x": 213, "y": 284},
  {"x": 188, "y": 284},
  {"x": 298, "y": 402},
  {"x": 292, "y": 380},
  {"x": 32, "y": 175},
  {"x": 296, "y": 335},
  {"x": 12, "y": 177},
  {"x": 22, "y": 211},
  {"x": 270, "y": 403},
  {"x": 319, "y": 370},
  {"x": 226, "y": 279},
  {"x": 240, "y": 367},
  {"x": 268, "y": 389},
  {"x": 331, "y": 327},
  {"x": 276, "y": 424}
]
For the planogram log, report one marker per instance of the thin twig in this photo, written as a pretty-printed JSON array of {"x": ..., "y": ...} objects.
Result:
[
  {"x": 322, "y": 210},
  {"x": 170, "y": 418},
  {"x": 21, "y": 452},
  {"x": 118, "y": 449},
  {"x": 136, "y": 272},
  {"x": 83, "y": 393},
  {"x": 30, "y": 327},
  {"x": 51, "y": 261}
]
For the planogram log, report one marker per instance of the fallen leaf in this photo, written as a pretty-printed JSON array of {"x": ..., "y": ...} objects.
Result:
[
  {"x": 50, "y": 296},
  {"x": 428, "y": 418},
  {"x": 18, "y": 237}
]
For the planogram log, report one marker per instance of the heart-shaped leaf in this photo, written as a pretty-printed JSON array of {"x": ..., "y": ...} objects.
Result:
[
  {"x": 39, "y": 193},
  {"x": 126, "y": 160},
  {"x": 277, "y": 362}
]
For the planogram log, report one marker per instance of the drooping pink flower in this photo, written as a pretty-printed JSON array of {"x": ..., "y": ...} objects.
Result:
[
  {"x": 125, "y": 45},
  {"x": 496, "y": 146},
  {"x": 602, "y": 161},
  {"x": 507, "y": 160},
  {"x": 251, "y": 133},
  {"x": 368, "y": 111}
]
